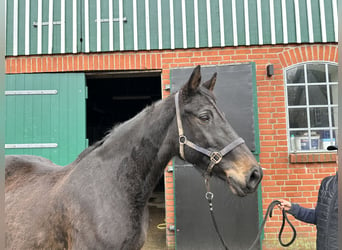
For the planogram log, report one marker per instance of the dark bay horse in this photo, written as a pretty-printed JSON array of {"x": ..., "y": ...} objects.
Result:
[{"x": 99, "y": 201}]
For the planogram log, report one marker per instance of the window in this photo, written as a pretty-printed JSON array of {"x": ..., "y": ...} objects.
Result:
[{"x": 311, "y": 90}]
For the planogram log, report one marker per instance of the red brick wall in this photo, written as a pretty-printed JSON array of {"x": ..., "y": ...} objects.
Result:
[{"x": 295, "y": 177}]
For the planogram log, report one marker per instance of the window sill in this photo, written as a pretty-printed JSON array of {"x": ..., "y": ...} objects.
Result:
[{"x": 312, "y": 157}]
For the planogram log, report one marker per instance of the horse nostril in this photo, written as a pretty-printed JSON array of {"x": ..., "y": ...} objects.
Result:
[{"x": 254, "y": 178}]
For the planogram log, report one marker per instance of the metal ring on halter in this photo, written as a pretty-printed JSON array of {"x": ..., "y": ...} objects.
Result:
[
  {"x": 216, "y": 157},
  {"x": 209, "y": 196},
  {"x": 182, "y": 139}
]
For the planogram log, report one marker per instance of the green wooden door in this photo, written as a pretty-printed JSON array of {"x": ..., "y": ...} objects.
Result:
[{"x": 46, "y": 115}]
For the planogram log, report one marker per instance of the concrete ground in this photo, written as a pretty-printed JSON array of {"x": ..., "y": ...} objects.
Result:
[{"x": 156, "y": 238}]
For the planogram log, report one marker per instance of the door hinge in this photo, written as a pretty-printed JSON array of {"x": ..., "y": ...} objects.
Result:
[{"x": 86, "y": 92}]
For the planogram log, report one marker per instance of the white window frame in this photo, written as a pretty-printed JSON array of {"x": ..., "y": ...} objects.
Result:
[{"x": 307, "y": 106}]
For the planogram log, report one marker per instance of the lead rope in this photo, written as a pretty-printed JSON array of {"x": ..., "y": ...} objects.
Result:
[
  {"x": 269, "y": 214},
  {"x": 209, "y": 196}
]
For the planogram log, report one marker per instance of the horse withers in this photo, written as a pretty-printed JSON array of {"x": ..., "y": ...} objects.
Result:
[{"x": 99, "y": 201}]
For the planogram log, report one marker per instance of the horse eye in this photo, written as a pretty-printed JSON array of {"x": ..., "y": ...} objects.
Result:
[{"x": 204, "y": 117}]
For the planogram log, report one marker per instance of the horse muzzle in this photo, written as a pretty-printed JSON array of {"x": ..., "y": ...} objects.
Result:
[
  {"x": 246, "y": 185},
  {"x": 253, "y": 178}
]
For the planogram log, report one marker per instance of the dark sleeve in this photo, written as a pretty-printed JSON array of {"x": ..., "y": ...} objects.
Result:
[{"x": 307, "y": 215}]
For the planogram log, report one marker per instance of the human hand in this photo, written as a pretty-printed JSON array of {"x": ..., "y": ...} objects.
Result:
[{"x": 284, "y": 204}]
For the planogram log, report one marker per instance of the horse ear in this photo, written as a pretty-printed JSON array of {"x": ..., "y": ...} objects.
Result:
[
  {"x": 193, "y": 82},
  {"x": 210, "y": 84}
]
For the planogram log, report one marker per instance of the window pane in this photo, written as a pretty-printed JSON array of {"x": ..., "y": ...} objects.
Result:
[
  {"x": 333, "y": 73},
  {"x": 334, "y": 117},
  {"x": 318, "y": 95},
  {"x": 333, "y": 94},
  {"x": 319, "y": 117},
  {"x": 315, "y": 73},
  {"x": 295, "y": 75},
  {"x": 301, "y": 141},
  {"x": 296, "y": 95},
  {"x": 325, "y": 138},
  {"x": 298, "y": 118}
]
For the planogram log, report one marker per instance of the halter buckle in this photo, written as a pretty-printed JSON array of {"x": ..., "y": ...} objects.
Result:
[
  {"x": 209, "y": 196},
  {"x": 182, "y": 139},
  {"x": 215, "y": 157}
]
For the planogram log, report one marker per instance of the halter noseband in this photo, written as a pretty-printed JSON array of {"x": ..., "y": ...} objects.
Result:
[{"x": 215, "y": 156}]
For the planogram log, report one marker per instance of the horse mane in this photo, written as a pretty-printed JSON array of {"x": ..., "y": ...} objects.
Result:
[
  {"x": 94, "y": 146},
  {"x": 147, "y": 110}
]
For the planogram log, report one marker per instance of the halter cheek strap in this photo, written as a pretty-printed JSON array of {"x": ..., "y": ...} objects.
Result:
[{"x": 215, "y": 156}]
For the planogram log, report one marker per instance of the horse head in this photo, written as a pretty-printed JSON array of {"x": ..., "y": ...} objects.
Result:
[{"x": 207, "y": 140}]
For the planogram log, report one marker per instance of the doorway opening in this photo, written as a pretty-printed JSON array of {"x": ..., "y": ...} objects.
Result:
[{"x": 113, "y": 98}]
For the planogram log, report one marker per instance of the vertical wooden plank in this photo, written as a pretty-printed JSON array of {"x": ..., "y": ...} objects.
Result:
[
  {"x": 89, "y": 26},
  {"x": 240, "y": 23},
  {"x": 128, "y": 28},
  {"x": 153, "y": 21},
  {"x": 278, "y": 21},
  {"x": 303, "y": 22},
  {"x": 165, "y": 8},
  {"x": 202, "y": 23},
  {"x": 110, "y": 31},
  {"x": 46, "y": 114},
  {"x": 246, "y": 15},
  {"x": 9, "y": 28},
  {"x": 50, "y": 26},
  {"x": 228, "y": 23},
  {"x": 260, "y": 28},
  {"x": 323, "y": 21},
  {"x": 39, "y": 27},
  {"x": 104, "y": 14},
  {"x": 147, "y": 24},
  {"x": 141, "y": 23},
  {"x": 55, "y": 110},
  {"x": 33, "y": 29},
  {"x": 215, "y": 23},
  {"x": 316, "y": 24},
  {"x": 309, "y": 15},
  {"x": 190, "y": 21},
  {"x": 121, "y": 24},
  {"x": 291, "y": 22},
  {"x": 253, "y": 22},
  {"x": 62, "y": 14},
  {"x": 21, "y": 27},
  {"x": 266, "y": 27},
  {"x": 27, "y": 27},
  {"x": 57, "y": 28},
  {"x": 172, "y": 25},
  {"x": 178, "y": 25},
  {"x": 329, "y": 20},
  {"x": 184, "y": 25},
  {"x": 272, "y": 22},
  {"x": 10, "y": 112},
  {"x": 74, "y": 25},
  {"x": 160, "y": 34},
  {"x": 297, "y": 16},
  {"x": 98, "y": 25},
  {"x": 69, "y": 35},
  {"x": 196, "y": 23},
  {"x": 116, "y": 25},
  {"x": 15, "y": 27},
  {"x": 222, "y": 39},
  {"x": 334, "y": 10}
]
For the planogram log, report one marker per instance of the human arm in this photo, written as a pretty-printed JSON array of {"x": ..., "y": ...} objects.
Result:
[{"x": 307, "y": 215}]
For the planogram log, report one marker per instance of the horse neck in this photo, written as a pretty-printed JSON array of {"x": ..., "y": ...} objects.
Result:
[{"x": 134, "y": 155}]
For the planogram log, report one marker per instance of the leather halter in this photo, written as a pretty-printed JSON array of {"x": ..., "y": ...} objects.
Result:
[{"x": 214, "y": 156}]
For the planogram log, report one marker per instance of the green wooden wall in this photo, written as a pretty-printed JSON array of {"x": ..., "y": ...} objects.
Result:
[
  {"x": 63, "y": 26},
  {"x": 45, "y": 115}
]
